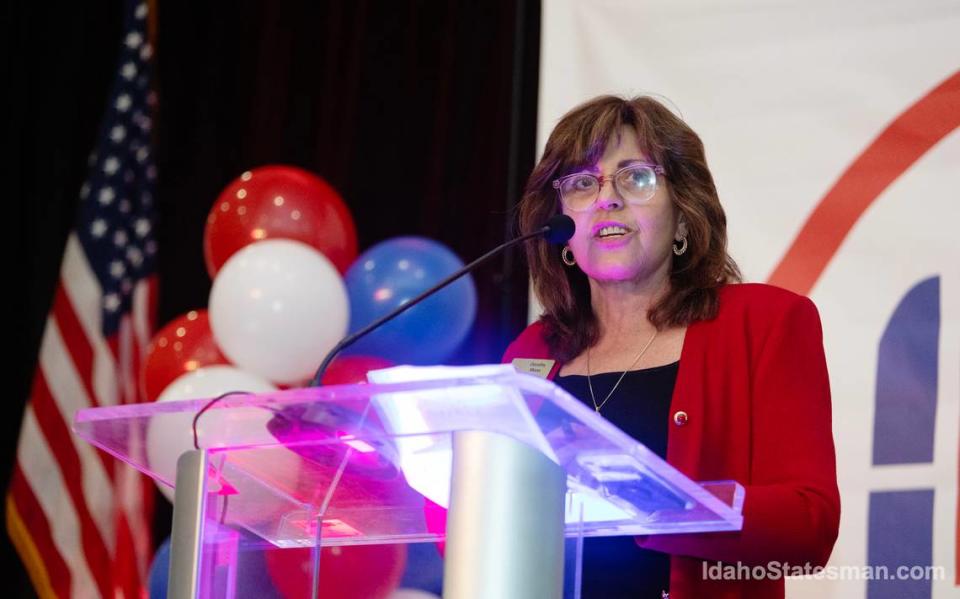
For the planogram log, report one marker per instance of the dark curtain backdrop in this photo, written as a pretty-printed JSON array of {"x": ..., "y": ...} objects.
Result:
[
  {"x": 422, "y": 115},
  {"x": 405, "y": 107}
]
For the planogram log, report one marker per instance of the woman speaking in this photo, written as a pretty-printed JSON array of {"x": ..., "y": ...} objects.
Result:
[{"x": 647, "y": 323}]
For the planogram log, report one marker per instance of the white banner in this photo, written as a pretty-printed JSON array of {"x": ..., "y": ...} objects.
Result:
[{"x": 831, "y": 130}]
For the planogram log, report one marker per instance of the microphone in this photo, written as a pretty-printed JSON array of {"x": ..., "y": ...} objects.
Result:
[{"x": 558, "y": 229}]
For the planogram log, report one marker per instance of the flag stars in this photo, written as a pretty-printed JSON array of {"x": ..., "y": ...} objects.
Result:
[
  {"x": 118, "y": 202},
  {"x": 117, "y": 269},
  {"x": 106, "y": 196},
  {"x": 134, "y": 256},
  {"x": 111, "y": 165},
  {"x": 133, "y": 40},
  {"x": 98, "y": 228},
  {"x": 111, "y": 302},
  {"x": 123, "y": 102},
  {"x": 142, "y": 227}
]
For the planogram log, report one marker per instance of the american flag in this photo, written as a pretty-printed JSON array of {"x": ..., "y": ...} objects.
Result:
[{"x": 80, "y": 519}]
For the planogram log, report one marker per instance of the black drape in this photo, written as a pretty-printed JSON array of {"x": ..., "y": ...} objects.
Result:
[
  {"x": 422, "y": 115},
  {"x": 405, "y": 107},
  {"x": 58, "y": 65}
]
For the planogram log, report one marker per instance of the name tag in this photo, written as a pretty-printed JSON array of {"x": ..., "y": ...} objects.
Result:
[{"x": 540, "y": 368}]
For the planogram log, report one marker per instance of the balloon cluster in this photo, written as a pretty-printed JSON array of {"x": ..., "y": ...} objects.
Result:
[{"x": 281, "y": 248}]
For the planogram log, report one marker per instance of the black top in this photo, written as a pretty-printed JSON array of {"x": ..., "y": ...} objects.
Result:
[{"x": 614, "y": 567}]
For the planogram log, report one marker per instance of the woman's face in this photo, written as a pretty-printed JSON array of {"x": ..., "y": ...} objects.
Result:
[{"x": 639, "y": 247}]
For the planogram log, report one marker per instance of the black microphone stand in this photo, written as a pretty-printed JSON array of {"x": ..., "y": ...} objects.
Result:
[{"x": 559, "y": 229}]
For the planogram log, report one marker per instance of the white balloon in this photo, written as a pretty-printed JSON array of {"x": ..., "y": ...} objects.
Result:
[
  {"x": 277, "y": 307},
  {"x": 170, "y": 435}
]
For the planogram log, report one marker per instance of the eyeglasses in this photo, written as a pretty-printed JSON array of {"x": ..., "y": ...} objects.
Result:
[{"x": 635, "y": 183}]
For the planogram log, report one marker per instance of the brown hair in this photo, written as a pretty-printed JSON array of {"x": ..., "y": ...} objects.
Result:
[{"x": 579, "y": 139}]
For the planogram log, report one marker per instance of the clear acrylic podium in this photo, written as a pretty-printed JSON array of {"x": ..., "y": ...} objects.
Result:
[{"x": 500, "y": 466}]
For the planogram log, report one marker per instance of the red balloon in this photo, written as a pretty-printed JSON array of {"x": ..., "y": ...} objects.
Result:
[
  {"x": 436, "y": 518},
  {"x": 182, "y": 346},
  {"x": 352, "y": 370},
  {"x": 279, "y": 202},
  {"x": 355, "y": 572}
]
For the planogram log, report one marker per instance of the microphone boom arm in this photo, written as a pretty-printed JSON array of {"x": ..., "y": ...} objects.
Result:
[{"x": 350, "y": 339}]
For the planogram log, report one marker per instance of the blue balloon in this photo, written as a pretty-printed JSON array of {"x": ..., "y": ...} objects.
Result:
[
  {"x": 159, "y": 571},
  {"x": 252, "y": 577},
  {"x": 392, "y": 273}
]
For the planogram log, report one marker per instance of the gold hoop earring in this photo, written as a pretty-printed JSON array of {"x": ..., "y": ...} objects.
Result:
[
  {"x": 683, "y": 246},
  {"x": 567, "y": 256}
]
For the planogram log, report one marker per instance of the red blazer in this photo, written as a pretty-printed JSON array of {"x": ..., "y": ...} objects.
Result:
[{"x": 753, "y": 384}]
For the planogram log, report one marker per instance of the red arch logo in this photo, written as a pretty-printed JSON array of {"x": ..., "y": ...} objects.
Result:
[{"x": 901, "y": 144}]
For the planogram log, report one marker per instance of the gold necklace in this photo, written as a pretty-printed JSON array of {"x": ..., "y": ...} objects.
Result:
[{"x": 617, "y": 384}]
